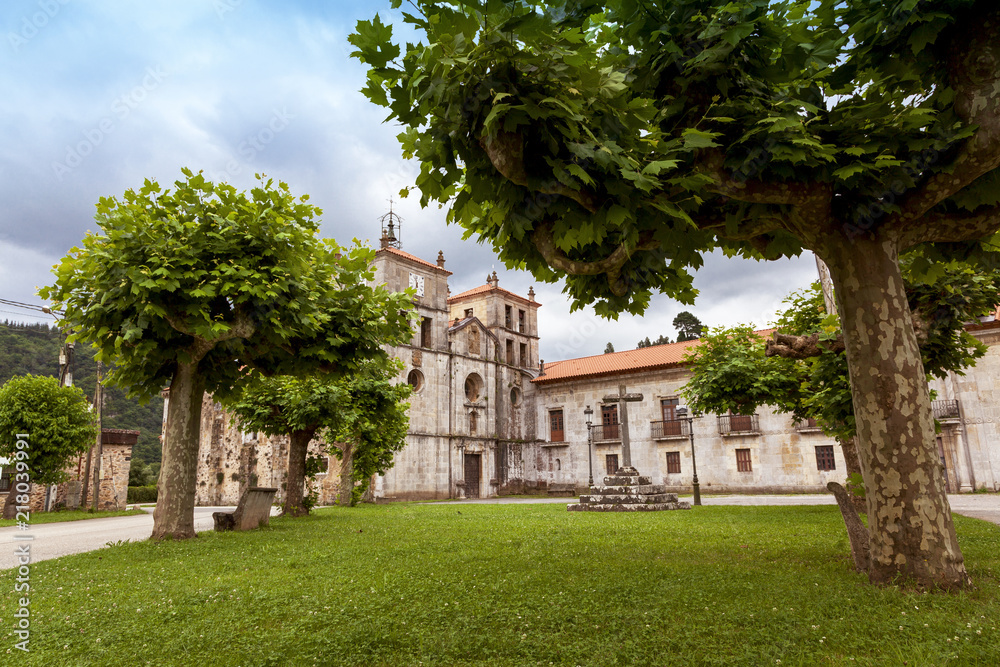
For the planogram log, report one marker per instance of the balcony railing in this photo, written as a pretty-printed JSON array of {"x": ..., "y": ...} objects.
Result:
[
  {"x": 670, "y": 428},
  {"x": 606, "y": 432},
  {"x": 738, "y": 424},
  {"x": 807, "y": 426},
  {"x": 945, "y": 409}
]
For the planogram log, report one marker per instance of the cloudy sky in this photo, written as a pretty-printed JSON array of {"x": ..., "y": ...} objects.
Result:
[{"x": 98, "y": 96}]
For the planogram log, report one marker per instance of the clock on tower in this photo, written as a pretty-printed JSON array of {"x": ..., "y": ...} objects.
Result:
[{"x": 417, "y": 282}]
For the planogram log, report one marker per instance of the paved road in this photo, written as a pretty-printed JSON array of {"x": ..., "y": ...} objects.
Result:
[
  {"x": 52, "y": 540},
  {"x": 979, "y": 506}
]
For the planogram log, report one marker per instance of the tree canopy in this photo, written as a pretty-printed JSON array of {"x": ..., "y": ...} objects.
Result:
[
  {"x": 58, "y": 423},
  {"x": 646, "y": 342},
  {"x": 611, "y": 143},
  {"x": 193, "y": 286},
  {"x": 688, "y": 326}
]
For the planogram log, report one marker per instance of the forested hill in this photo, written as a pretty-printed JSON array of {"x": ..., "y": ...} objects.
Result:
[{"x": 34, "y": 349}]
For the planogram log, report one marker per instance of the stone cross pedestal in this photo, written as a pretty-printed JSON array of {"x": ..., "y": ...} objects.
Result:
[{"x": 627, "y": 490}]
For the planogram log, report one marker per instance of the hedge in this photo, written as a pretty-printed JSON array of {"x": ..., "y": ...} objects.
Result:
[{"x": 142, "y": 494}]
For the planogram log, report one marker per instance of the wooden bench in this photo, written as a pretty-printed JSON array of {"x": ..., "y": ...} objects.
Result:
[{"x": 253, "y": 510}]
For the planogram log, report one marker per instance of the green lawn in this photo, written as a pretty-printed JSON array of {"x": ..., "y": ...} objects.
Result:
[
  {"x": 68, "y": 515},
  {"x": 415, "y": 584}
]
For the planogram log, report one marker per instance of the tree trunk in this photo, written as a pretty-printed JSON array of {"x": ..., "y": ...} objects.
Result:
[
  {"x": 909, "y": 518},
  {"x": 10, "y": 505},
  {"x": 346, "y": 487},
  {"x": 856, "y": 531},
  {"x": 298, "y": 448},
  {"x": 850, "y": 449},
  {"x": 174, "y": 513}
]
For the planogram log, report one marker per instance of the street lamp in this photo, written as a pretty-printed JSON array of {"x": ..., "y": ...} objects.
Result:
[
  {"x": 590, "y": 455},
  {"x": 682, "y": 414}
]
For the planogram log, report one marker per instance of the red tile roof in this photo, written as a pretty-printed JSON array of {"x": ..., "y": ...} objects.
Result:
[
  {"x": 619, "y": 363},
  {"x": 482, "y": 289},
  {"x": 414, "y": 258}
]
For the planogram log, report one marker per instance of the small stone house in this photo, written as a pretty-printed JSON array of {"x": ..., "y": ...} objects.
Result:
[{"x": 116, "y": 457}]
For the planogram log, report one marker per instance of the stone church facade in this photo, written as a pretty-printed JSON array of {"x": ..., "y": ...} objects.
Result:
[{"x": 488, "y": 418}]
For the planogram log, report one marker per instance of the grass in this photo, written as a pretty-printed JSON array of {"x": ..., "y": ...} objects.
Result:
[
  {"x": 413, "y": 584},
  {"x": 69, "y": 515}
]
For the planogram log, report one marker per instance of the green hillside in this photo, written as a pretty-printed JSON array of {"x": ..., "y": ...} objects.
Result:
[{"x": 34, "y": 349}]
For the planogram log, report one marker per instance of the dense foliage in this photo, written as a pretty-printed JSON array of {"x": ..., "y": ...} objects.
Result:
[{"x": 56, "y": 420}]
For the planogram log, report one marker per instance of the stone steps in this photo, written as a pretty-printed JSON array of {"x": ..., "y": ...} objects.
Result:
[
  {"x": 626, "y": 498},
  {"x": 641, "y": 488},
  {"x": 617, "y": 507},
  {"x": 628, "y": 493}
]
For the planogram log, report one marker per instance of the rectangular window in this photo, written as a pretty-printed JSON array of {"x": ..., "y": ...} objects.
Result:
[
  {"x": 524, "y": 355},
  {"x": 556, "y": 433},
  {"x": 611, "y": 463},
  {"x": 324, "y": 465},
  {"x": 468, "y": 312},
  {"x": 673, "y": 462},
  {"x": 5, "y": 481},
  {"x": 425, "y": 332},
  {"x": 510, "y": 352},
  {"x": 743, "y": 461},
  {"x": 668, "y": 409},
  {"x": 824, "y": 458},
  {"x": 520, "y": 321},
  {"x": 609, "y": 422},
  {"x": 507, "y": 317}
]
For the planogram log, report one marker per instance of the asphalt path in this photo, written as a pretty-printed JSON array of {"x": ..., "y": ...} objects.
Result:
[{"x": 52, "y": 540}]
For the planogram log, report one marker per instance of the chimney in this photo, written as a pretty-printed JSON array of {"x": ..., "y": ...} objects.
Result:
[
  {"x": 541, "y": 367},
  {"x": 441, "y": 258},
  {"x": 531, "y": 293}
]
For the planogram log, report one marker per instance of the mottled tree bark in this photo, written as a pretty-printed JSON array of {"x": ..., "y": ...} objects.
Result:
[
  {"x": 856, "y": 531},
  {"x": 174, "y": 513},
  {"x": 298, "y": 448},
  {"x": 346, "y": 487},
  {"x": 850, "y": 449},
  {"x": 909, "y": 518}
]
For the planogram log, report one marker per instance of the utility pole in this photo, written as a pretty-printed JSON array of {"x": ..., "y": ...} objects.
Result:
[{"x": 99, "y": 446}]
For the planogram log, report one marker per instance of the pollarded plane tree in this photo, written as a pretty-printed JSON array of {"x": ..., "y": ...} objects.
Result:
[
  {"x": 190, "y": 288},
  {"x": 611, "y": 143},
  {"x": 361, "y": 417},
  {"x": 803, "y": 370}
]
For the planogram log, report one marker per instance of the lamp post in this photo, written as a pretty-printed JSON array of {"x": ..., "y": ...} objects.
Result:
[
  {"x": 682, "y": 414},
  {"x": 590, "y": 456}
]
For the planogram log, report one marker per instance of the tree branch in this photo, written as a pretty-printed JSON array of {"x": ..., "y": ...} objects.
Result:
[
  {"x": 544, "y": 239},
  {"x": 974, "y": 75},
  {"x": 801, "y": 347},
  {"x": 747, "y": 230},
  {"x": 506, "y": 152},
  {"x": 806, "y": 195},
  {"x": 950, "y": 227}
]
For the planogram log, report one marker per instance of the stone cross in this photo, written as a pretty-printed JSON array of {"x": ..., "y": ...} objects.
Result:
[{"x": 623, "y": 399}]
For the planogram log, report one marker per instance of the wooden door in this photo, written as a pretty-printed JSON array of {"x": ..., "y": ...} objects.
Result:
[{"x": 473, "y": 464}]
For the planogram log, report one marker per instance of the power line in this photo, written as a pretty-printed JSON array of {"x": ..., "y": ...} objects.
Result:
[{"x": 28, "y": 306}]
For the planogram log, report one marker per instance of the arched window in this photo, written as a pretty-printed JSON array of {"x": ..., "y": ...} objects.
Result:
[
  {"x": 473, "y": 387},
  {"x": 416, "y": 380}
]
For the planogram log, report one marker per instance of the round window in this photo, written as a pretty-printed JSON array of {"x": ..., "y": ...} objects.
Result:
[
  {"x": 515, "y": 396},
  {"x": 473, "y": 387},
  {"x": 415, "y": 379}
]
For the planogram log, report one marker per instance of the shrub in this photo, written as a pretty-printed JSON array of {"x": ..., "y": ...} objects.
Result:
[{"x": 142, "y": 494}]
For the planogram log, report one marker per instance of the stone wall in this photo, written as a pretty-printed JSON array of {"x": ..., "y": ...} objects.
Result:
[{"x": 116, "y": 460}]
